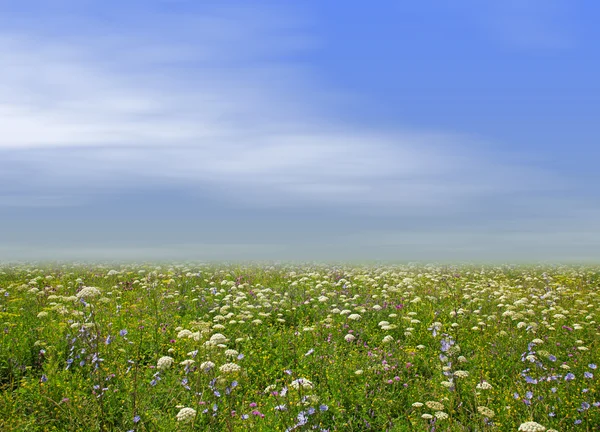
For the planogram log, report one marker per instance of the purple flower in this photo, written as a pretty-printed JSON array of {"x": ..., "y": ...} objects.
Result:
[
  {"x": 44, "y": 378},
  {"x": 588, "y": 375},
  {"x": 577, "y": 421},
  {"x": 529, "y": 395},
  {"x": 592, "y": 366},
  {"x": 136, "y": 419},
  {"x": 323, "y": 407},
  {"x": 553, "y": 389},
  {"x": 240, "y": 356},
  {"x": 585, "y": 405},
  {"x": 552, "y": 358},
  {"x": 123, "y": 332},
  {"x": 280, "y": 407},
  {"x": 569, "y": 377}
]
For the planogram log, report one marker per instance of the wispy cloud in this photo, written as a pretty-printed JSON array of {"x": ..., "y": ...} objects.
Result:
[{"x": 221, "y": 109}]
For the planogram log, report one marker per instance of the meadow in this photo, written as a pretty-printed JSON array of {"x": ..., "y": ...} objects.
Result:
[{"x": 165, "y": 347}]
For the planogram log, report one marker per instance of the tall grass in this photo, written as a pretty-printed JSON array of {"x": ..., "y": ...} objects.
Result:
[{"x": 396, "y": 348}]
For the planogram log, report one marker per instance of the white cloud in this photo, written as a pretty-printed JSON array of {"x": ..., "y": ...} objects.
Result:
[{"x": 221, "y": 112}]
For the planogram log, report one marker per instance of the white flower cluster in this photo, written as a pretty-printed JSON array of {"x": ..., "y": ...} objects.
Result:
[
  {"x": 164, "y": 362},
  {"x": 531, "y": 426},
  {"x": 230, "y": 368},
  {"x": 301, "y": 383},
  {"x": 186, "y": 415},
  {"x": 486, "y": 412},
  {"x": 484, "y": 385},
  {"x": 349, "y": 337},
  {"x": 207, "y": 366},
  {"x": 87, "y": 292},
  {"x": 437, "y": 406}
]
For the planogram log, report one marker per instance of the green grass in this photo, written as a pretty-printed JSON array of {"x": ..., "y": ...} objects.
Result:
[{"x": 76, "y": 358}]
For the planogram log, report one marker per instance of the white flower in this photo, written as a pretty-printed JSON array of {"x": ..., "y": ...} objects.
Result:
[
  {"x": 349, "y": 337},
  {"x": 184, "y": 334},
  {"x": 42, "y": 314},
  {"x": 434, "y": 405},
  {"x": 187, "y": 362},
  {"x": 441, "y": 415},
  {"x": 484, "y": 385},
  {"x": 427, "y": 416},
  {"x": 231, "y": 353},
  {"x": 301, "y": 382},
  {"x": 164, "y": 362},
  {"x": 87, "y": 292},
  {"x": 388, "y": 339},
  {"x": 186, "y": 415},
  {"x": 417, "y": 404},
  {"x": 207, "y": 365},
  {"x": 461, "y": 374},
  {"x": 486, "y": 412},
  {"x": 218, "y": 338},
  {"x": 358, "y": 372},
  {"x": 531, "y": 426},
  {"x": 354, "y": 317},
  {"x": 230, "y": 368}
]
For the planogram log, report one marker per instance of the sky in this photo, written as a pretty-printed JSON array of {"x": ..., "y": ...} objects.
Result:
[{"x": 311, "y": 131}]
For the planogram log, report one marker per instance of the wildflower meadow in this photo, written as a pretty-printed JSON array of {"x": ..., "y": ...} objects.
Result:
[{"x": 232, "y": 347}]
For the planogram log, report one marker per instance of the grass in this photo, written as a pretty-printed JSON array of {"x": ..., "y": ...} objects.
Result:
[{"x": 394, "y": 348}]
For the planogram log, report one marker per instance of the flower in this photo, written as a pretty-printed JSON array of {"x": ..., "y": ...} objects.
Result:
[
  {"x": 230, "y": 368},
  {"x": 164, "y": 362},
  {"x": 207, "y": 365},
  {"x": 354, "y": 317},
  {"x": 388, "y": 339},
  {"x": 218, "y": 338},
  {"x": 486, "y": 412},
  {"x": 231, "y": 353},
  {"x": 434, "y": 405},
  {"x": 301, "y": 383},
  {"x": 531, "y": 426},
  {"x": 417, "y": 404},
  {"x": 461, "y": 374},
  {"x": 186, "y": 415},
  {"x": 349, "y": 337},
  {"x": 441, "y": 415},
  {"x": 87, "y": 292},
  {"x": 484, "y": 385}
]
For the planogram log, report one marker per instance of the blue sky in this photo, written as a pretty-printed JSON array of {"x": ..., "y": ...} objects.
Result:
[{"x": 419, "y": 131}]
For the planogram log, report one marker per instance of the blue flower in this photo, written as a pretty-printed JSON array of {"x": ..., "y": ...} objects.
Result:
[
  {"x": 592, "y": 366},
  {"x": 552, "y": 358},
  {"x": 323, "y": 407},
  {"x": 136, "y": 419},
  {"x": 569, "y": 377},
  {"x": 588, "y": 375},
  {"x": 529, "y": 395},
  {"x": 123, "y": 332}
]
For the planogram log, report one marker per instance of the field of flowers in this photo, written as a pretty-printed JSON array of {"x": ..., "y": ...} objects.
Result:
[{"x": 314, "y": 347}]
